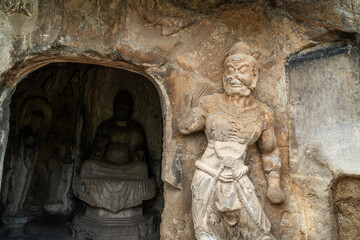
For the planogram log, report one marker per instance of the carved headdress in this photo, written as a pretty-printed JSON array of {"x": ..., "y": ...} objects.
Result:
[{"x": 239, "y": 48}]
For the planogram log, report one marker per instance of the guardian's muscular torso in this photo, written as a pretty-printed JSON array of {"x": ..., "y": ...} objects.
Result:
[{"x": 223, "y": 122}]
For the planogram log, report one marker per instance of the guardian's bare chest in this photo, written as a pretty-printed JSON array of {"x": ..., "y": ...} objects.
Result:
[{"x": 242, "y": 125}]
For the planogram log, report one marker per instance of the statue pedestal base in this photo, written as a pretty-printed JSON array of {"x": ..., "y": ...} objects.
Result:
[{"x": 101, "y": 224}]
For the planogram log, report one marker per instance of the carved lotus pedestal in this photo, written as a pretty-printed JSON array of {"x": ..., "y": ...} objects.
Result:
[
  {"x": 101, "y": 224},
  {"x": 114, "y": 210}
]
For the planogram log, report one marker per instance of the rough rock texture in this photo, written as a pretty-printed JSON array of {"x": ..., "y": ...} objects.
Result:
[
  {"x": 346, "y": 200},
  {"x": 324, "y": 96},
  {"x": 333, "y": 14},
  {"x": 179, "y": 46}
]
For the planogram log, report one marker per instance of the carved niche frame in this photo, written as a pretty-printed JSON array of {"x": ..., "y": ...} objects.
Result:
[{"x": 14, "y": 75}]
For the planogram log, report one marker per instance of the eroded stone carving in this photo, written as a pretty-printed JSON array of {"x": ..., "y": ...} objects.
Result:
[
  {"x": 224, "y": 204},
  {"x": 60, "y": 167},
  {"x": 23, "y": 7},
  {"x": 35, "y": 113},
  {"x": 115, "y": 180}
]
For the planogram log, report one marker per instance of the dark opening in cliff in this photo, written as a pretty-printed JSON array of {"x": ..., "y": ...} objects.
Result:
[{"x": 55, "y": 116}]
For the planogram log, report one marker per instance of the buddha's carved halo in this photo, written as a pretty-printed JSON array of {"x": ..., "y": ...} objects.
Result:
[
  {"x": 123, "y": 97},
  {"x": 30, "y": 106},
  {"x": 122, "y": 106},
  {"x": 111, "y": 87}
]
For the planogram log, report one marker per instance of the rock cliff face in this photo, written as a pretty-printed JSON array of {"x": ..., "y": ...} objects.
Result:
[{"x": 309, "y": 76}]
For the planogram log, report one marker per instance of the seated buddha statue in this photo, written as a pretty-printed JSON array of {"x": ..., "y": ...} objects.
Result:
[{"x": 116, "y": 177}]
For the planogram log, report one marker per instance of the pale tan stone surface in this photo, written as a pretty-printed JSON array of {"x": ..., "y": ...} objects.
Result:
[
  {"x": 224, "y": 201},
  {"x": 324, "y": 96}
]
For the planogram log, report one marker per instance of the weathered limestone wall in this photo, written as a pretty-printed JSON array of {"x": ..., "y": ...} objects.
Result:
[
  {"x": 180, "y": 46},
  {"x": 324, "y": 100}
]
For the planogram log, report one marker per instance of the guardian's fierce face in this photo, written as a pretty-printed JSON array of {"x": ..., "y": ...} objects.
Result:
[{"x": 240, "y": 76}]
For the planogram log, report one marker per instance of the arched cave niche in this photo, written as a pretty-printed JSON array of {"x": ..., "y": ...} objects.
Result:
[{"x": 55, "y": 113}]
